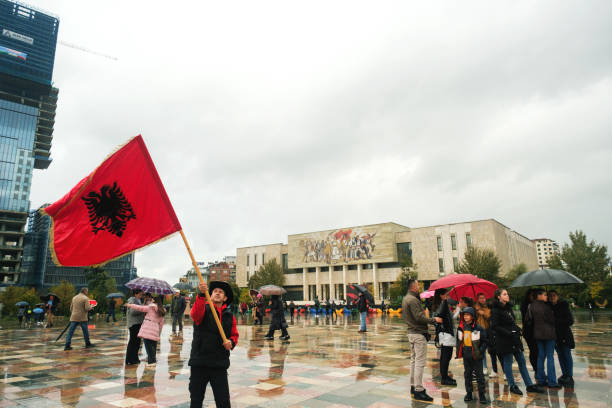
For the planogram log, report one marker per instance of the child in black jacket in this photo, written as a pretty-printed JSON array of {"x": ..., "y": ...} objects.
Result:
[{"x": 471, "y": 345}]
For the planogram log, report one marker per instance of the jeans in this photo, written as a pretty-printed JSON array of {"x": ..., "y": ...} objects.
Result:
[
  {"x": 507, "y": 367},
  {"x": 73, "y": 326},
  {"x": 177, "y": 318},
  {"x": 199, "y": 379},
  {"x": 565, "y": 360},
  {"x": 111, "y": 313},
  {"x": 151, "y": 347},
  {"x": 418, "y": 358},
  {"x": 363, "y": 316},
  {"x": 546, "y": 351}
]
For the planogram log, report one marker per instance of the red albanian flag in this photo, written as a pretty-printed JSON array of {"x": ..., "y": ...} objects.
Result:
[{"x": 120, "y": 207}]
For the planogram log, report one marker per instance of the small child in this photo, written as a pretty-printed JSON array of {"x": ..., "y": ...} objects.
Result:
[
  {"x": 151, "y": 325},
  {"x": 471, "y": 345}
]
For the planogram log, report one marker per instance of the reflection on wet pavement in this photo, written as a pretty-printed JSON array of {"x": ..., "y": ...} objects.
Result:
[{"x": 326, "y": 363}]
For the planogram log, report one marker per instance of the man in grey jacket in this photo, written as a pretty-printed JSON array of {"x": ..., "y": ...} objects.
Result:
[
  {"x": 177, "y": 309},
  {"x": 414, "y": 316},
  {"x": 134, "y": 321}
]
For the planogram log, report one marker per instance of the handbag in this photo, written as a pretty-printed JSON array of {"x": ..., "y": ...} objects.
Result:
[{"x": 447, "y": 339}]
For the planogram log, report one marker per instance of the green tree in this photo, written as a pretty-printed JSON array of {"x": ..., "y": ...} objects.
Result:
[
  {"x": 513, "y": 273},
  {"x": 399, "y": 288},
  {"x": 269, "y": 273},
  {"x": 65, "y": 292},
  {"x": 100, "y": 284},
  {"x": 587, "y": 260},
  {"x": 481, "y": 262},
  {"x": 14, "y": 294},
  {"x": 236, "y": 291},
  {"x": 245, "y": 296}
]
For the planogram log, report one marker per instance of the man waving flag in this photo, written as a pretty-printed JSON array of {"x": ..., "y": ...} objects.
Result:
[{"x": 118, "y": 208}]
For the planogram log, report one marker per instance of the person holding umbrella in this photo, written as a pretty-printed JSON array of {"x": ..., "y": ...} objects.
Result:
[
  {"x": 565, "y": 338},
  {"x": 277, "y": 319},
  {"x": 111, "y": 310},
  {"x": 210, "y": 356},
  {"x": 446, "y": 334},
  {"x": 362, "y": 307},
  {"x": 79, "y": 307},
  {"x": 543, "y": 317},
  {"x": 134, "y": 322}
]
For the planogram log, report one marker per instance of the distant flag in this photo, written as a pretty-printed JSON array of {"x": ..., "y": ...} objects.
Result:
[{"x": 118, "y": 208}]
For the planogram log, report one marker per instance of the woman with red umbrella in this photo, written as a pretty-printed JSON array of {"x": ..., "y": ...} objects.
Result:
[{"x": 446, "y": 334}]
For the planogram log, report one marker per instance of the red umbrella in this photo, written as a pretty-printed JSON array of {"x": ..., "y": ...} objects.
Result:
[
  {"x": 474, "y": 288},
  {"x": 455, "y": 279}
]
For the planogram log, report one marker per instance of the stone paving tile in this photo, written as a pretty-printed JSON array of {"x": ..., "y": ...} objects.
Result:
[{"x": 325, "y": 364}]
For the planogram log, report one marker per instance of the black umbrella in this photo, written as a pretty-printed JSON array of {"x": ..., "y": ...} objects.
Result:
[
  {"x": 46, "y": 298},
  {"x": 115, "y": 295},
  {"x": 22, "y": 303},
  {"x": 353, "y": 291},
  {"x": 545, "y": 277}
]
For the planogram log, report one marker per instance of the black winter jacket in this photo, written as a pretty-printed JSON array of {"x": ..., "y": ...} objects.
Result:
[
  {"x": 362, "y": 304},
  {"x": 444, "y": 312},
  {"x": 207, "y": 347},
  {"x": 563, "y": 322},
  {"x": 277, "y": 316},
  {"x": 504, "y": 329},
  {"x": 543, "y": 320}
]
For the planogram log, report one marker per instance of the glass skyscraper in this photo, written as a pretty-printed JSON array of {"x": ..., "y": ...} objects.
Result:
[{"x": 28, "y": 101}]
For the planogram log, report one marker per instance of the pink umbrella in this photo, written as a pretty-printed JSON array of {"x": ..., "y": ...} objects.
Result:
[
  {"x": 427, "y": 294},
  {"x": 455, "y": 279},
  {"x": 474, "y": 288}
]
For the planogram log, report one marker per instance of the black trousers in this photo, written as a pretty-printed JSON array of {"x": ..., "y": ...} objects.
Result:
[
  {"x": 446, "y": 354},
  {"x": 472, "y": 366},
  {"x": 199, "y": 379},
  {"x": 133, "y": 347},
  {"x": 151, "y": 347},
  {"x": 493, "y": 355},
  {"x": 533, "y": 353},
  {"x": 271, "y": 332}
]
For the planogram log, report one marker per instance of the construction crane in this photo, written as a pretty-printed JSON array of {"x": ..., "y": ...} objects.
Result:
[{"x": 78, "y": 47}]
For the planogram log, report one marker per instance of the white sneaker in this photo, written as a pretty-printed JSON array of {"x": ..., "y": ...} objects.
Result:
[
  {"x": 485, "y": 371},
  {"x": 492, "y": 374}
]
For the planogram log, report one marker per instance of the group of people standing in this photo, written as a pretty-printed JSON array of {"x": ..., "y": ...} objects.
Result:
[{"x": 490, "y": 326}]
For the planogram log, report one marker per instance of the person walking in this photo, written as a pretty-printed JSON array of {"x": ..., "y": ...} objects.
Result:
[
  {"x": 50, "y": 307},
  {"x": 543, "y": 318},
  {"x": 259, "y": 309},
  {"x": 362, "y": 307},
  {"x": 277, "y": 319},
  {"x": 334, "y": 306},
  {"x": 565, "y": 338},
  {"x": 177, "y": 309},
  {"x": 20, "y": 314},
  {"x": 418, "y": 335},
  {"x": 134, "y": 321},
  {"x": 111, "y": 310},
  {"x": 446, "y": 334},
  {"x": 151, "y": 326},
  {"x": 483, "y": 314},
  {"x": 210, "y": 355},
  {"x": 508, "y": 343},
  {"x": 291, "y": 310},
  {"x": 243, "y": 309},
  {"x": 79, "y": 307},
  {"x": 472, "y": 346}
]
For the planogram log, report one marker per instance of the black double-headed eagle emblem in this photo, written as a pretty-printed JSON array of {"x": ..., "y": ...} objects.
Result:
[{"x": 109, "y": 210}]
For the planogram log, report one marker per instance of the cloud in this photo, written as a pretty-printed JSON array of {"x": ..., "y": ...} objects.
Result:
[{"x": 272, "y": 118}]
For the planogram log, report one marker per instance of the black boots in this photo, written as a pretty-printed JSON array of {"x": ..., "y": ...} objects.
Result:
[
  {"x": 448, "y": 381},
  {"x": 516, "y": 390},
  {"x": 534, "y": 388},
  {"x": 468, "y": 397},
  {"x": 422, "y": 396},
  {"x": 482, "y": 397}
]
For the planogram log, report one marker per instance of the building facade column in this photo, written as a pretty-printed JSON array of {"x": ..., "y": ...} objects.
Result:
[
  {"x": 359, "y": 274},
  {"x": 375, "y": 283},
  {"x": 317, "y": 281},
  {"x": 331, "y": 288},
  {"x": 305, "y": 284},
  {"x": 344, "y": 268}
]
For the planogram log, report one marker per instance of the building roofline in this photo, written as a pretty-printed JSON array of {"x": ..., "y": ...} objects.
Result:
[
  {"x": 255, "y": 246},
  {"x": 543, "y": 239},
  {"x": 352, "y": 226}
]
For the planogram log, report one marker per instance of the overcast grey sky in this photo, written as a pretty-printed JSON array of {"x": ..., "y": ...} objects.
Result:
[{"x": 271, "y": 118}]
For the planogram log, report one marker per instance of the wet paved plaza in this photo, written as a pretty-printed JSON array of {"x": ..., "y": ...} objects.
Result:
[{"x": 325, "y": 364}]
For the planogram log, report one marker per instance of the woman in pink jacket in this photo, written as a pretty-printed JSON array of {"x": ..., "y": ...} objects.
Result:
[{"x": 151, "y": 326}]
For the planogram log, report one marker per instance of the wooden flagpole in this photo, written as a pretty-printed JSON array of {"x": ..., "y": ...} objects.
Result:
[{"x": 210, "y": 302}]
